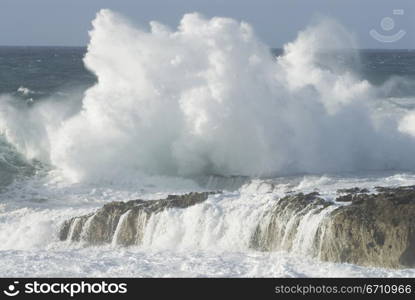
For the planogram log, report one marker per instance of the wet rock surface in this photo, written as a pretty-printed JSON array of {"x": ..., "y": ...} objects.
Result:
[
  {"x": 348, "y": 195},
  {"x": 373, "y": 230},
  {"x": 359, "y": 227},
  {"x": 123, "y": 223},
  {"x": 376, "y": 230},
  {"x": 280, "y": 227}
]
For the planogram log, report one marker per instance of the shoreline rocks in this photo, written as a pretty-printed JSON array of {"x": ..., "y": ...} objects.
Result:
[
  {"x": 373, "y": 230},
  {"x": 123, "y": 221},
  {"x": 368, "y": 229}
]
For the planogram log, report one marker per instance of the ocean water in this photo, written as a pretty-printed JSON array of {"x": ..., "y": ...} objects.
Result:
[{"x": 146, "y": 112}]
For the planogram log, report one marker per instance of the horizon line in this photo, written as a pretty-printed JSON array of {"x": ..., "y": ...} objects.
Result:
[{"x": 85, "y": 46}]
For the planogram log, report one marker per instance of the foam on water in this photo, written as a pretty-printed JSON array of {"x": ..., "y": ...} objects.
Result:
[
  {"x": 207, "y": 98},
  {"x": 209, "y": 239},
  {"x": 121, "y": 262}
]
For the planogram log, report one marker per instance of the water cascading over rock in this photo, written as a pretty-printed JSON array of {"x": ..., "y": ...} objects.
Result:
[
  {"x": 373, "y": 230},
  {"x": 370, "y": 229},
  {"x": 122, "y": 223}
]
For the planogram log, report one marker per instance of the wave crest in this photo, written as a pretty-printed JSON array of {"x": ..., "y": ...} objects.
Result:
[{"x": 209, "y": 98}]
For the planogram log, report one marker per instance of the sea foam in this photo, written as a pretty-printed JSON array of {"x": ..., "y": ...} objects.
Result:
[{"x": 209, "y": 98}]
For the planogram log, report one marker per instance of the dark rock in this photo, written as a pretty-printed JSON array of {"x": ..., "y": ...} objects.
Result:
[
  {"x": 385, "y": 221},
  {"x": 279, "y": 227},
  {"x": 351, "y": 194},
  {"x": 398, "y": 189},
  {"x": 374, "y": 230},
  {"x": 354, "y": 190},
  {"x": 123, "y": 221},
  {"x": 345, "y": 198},
  {"x": 370, "y": 230}
]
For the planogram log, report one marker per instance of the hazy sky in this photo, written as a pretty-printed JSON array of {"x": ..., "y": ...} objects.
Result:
[{"x": 66, "y": 22}]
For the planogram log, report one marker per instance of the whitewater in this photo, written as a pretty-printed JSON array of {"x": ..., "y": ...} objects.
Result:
[{"x": 204, "y": 106}]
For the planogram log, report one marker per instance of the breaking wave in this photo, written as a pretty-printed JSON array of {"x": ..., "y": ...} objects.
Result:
[{"x": 210, "y": 98}]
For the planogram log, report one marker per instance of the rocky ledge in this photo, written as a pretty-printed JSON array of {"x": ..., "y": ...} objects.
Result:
[
  {"x": 369, "y": 229},
  {"x": 122, "y": 223},
  {"x": 373, "y": 230}
]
